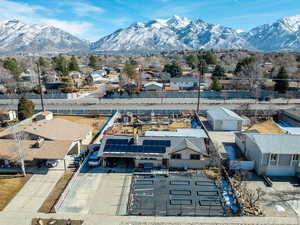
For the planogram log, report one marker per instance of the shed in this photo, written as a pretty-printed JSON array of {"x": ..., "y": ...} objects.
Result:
[{"x": 224, "y": 119}]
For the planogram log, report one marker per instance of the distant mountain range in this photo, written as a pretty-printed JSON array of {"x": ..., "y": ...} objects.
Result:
[{"x": 175, "y": 33}]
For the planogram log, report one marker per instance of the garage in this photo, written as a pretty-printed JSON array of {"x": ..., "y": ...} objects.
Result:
[
  {"x": 280, "y": 171},
  {"x": 230, "y": 125},
  {"x": 120, "y": 162},
  {"x": 224, "y": 119}
]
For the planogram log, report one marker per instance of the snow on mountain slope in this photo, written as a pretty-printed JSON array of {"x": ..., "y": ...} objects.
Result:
[
  {"x": 283, "y": 35},
  {"x": 175, "y": 33},
  {"x": 16, "y": 37}
]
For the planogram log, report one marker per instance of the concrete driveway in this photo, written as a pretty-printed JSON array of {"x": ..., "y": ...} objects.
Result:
[
  {"x": 99, "y": 193},
  {"x": 34, "y": 193}
]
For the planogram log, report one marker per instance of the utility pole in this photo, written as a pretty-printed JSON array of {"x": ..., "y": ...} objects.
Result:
[
  {"x": 201, "y": 73},
  {"x": 40, "y": 86}
]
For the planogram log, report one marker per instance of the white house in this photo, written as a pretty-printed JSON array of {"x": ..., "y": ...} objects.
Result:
[
  {"x": 7, "y": 115},
  {"x": 184, "y": 82},
  {"x": 224, "y": 119},
  {"x": 273, "y": 154},
  {"x": 153, "y": 86}
]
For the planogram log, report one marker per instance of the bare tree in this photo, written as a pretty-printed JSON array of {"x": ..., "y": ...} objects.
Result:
[{"x": 19, "y": 137}]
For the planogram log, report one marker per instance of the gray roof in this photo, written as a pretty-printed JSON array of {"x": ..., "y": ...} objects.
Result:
[
  {"x": 184, "y": 79},
  {"x": 277, "y": 143},
  {"x": 177, "y": 143},
  {"x": 221, "y": 113}
]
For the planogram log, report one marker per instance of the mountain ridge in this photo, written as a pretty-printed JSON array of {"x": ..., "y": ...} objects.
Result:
[{"x": 174, "y": 33}]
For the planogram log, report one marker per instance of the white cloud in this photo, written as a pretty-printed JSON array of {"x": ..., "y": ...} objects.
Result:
[
  {"x": 83, "y": 9},
  {"x": 74, "y": 27},
  {"x": 34, "y": 14}
]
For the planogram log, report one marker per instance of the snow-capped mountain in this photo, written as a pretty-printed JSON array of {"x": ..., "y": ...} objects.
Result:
[
  {"x": 171, "y": 34},
  {"x": 175, "y": 33},
  {"x": 19, "y": 37},
  {"x": 283, "y": 35}
]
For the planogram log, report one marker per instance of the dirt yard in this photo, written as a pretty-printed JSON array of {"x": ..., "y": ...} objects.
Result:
[
  {"x": 10, "y": 185},
  {"x": 95, "y": 123},
  {"x": 267, "y": 127}
]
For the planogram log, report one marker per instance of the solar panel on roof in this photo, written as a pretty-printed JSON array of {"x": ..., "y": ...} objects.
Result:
[
  {"x": 165, "y": 143},
  {"x": 116, "y": 141}
]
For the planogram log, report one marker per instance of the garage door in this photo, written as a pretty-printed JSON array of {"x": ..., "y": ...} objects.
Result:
[
  {"x": 280, "y": 171},
  {"x": 230, "y": 125}
]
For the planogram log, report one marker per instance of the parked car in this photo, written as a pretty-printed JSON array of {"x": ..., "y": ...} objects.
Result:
[
  {"x": 51, "y": 163},
  {"x": 94, "y": 159}
]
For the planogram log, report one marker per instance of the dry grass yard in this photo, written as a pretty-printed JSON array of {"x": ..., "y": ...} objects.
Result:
[
  {"x": 54, "y": 195},
  {"x": 10, "y": 185}
]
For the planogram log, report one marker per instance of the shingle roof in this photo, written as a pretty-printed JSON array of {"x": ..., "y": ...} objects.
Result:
[
  {"x": 177, "y": 143},
  {"x": 221, "y": 113},
  {"x": 277, "y": 143},
  {"x": 55, "y": 129},
  {"x": 48, "y": 150}
]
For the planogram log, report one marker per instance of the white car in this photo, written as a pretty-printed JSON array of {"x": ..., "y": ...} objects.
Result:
[{"x": 51, "y": 163}]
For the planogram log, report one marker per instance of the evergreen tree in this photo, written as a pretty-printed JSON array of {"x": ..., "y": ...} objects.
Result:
[
  {"x": 25, "y": 108},
  {"x": 219, "y": 71},
  {"x": 73, "y": 65},
  {"x": 174, "y": 69},
  {"x": 281, "y": 82},
  {"x": 215, "y": 86},
  {"x": 12, "y": 65},
  {"x": 93, "y": 62},
  {"x": 209, "y": 58},
  {"x": 192, "y": 61},
  {"x": 60, "y": 64},
  {"x": 42, "y": 62},
  {"x": 130, "y": 71}
]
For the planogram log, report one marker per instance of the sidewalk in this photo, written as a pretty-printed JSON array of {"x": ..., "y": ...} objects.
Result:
[{"x": 33, "y": 194}]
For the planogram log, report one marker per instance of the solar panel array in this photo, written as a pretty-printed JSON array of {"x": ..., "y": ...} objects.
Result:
[
  {"x": 165, "y": 143},
  {"x": 149, "y": 146}
]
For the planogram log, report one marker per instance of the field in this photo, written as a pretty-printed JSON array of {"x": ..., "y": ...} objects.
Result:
[{"x": 10, "y": 185}]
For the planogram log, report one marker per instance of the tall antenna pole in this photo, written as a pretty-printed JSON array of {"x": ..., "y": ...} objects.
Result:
[
  {"x": 201, "y": 73},
  {"x": 40, "y": 86}
]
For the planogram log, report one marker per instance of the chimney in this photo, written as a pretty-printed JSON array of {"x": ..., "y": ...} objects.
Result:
[{"x": 39, "y": 143}]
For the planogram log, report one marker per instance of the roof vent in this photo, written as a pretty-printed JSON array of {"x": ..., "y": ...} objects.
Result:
[{"x": 39, "y": 143}]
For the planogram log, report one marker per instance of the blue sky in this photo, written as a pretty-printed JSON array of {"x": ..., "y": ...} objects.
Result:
[{"x": 93, "y": 19}]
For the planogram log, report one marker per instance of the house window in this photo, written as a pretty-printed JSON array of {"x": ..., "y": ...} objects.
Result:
[
  {"x": 273, "y": 159},
  {"x": 295, "y": 157},
  {"x": 176, "y": 156},
  {"x": 195, "y": 157}
]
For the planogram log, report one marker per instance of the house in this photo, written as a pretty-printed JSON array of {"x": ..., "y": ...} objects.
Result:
[
  {"x": 180, "y": 132},
  {"x": 290, "y": 117},
  {"x": 153, "y": 86},
  {"x": 7, "y": 115},
  {"x": 46, "y": 115},
  {"x": 224, "y": 119},
  {"x": 167, "y": 152},
  {"x": 163, "y": 77},
  {"x": 34, "y": 151},
  {"x": 53, "y": 130},
  {"x": 96, "y": 76},
  {"x": 273, "y": 154},
  {"x": 76, "y": 75},
  {"x": 184, "y": 82}
]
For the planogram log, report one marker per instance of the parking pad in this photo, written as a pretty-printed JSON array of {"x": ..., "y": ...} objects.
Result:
[{"x": 178, "y": 194}]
